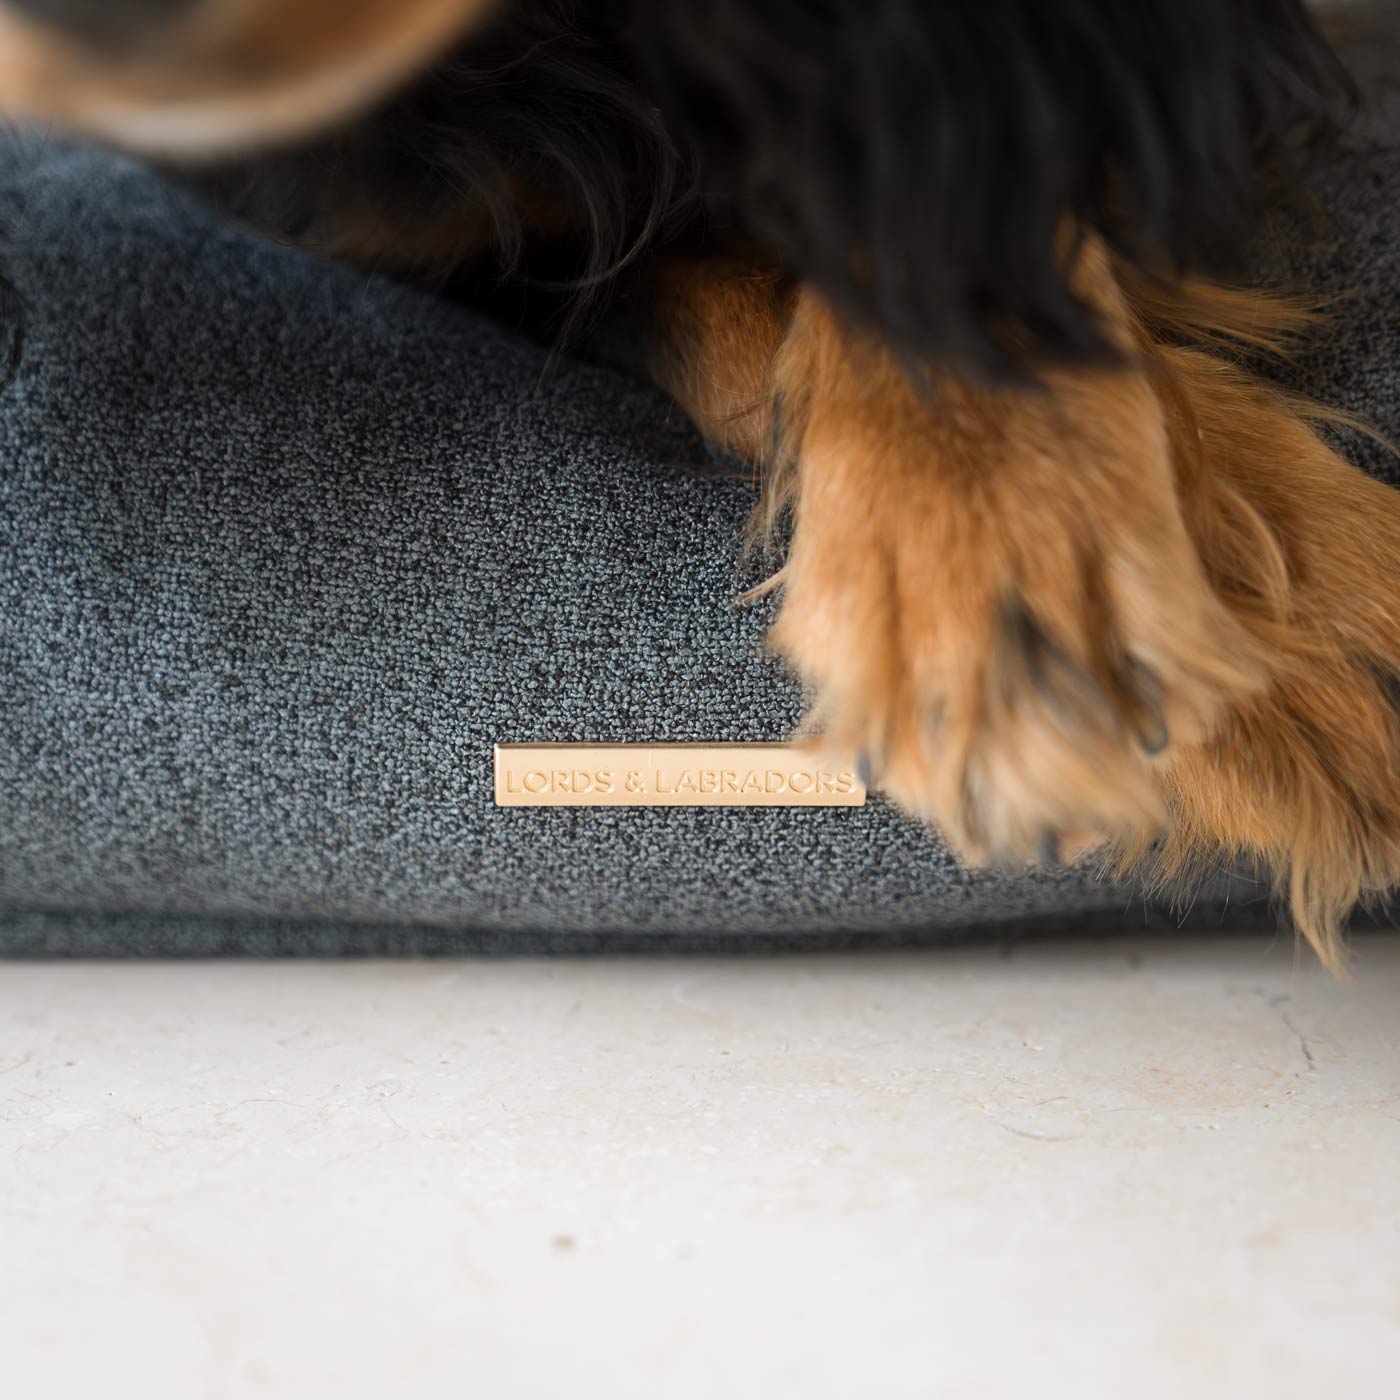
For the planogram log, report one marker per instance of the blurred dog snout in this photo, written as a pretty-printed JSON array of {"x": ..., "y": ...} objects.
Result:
[{"x": 199, "y": 76}]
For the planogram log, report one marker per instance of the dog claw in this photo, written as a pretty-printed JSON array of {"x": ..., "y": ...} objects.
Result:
[
  {"x": 1152, "y": 736},
  {"x": 1150, "y": 724},
  {"x": 865, "y": 770}
]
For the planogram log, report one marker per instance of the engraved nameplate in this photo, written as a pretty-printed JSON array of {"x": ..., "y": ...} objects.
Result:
[{"x": 672, "y": 775}]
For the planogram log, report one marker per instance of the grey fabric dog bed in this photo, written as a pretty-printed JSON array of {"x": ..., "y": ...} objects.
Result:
[{"x": 285, "y": 551}]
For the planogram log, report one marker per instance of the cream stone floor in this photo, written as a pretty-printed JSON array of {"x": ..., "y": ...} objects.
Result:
[{"x": 1125, "y": 1169}]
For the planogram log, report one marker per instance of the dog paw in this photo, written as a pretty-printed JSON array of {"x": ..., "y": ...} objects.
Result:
[{"x": 995, "y": 599}]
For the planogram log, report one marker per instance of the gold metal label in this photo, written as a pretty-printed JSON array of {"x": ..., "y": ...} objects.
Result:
[{"x": 671, "y": 775}]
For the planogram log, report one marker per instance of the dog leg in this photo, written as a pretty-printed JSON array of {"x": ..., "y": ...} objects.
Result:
[
  {"x": 1144, "y": 604},
  {"x": 1302, "y": 775}
]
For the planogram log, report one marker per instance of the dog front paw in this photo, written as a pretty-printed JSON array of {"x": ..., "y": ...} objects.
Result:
[{"x": 995, "y": 600}]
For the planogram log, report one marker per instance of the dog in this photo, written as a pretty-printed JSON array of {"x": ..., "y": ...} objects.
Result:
[{"x": 951, "y": 278}]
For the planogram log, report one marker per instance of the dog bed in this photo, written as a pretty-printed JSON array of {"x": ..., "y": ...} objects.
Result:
[{"x": 285, "y": 550}]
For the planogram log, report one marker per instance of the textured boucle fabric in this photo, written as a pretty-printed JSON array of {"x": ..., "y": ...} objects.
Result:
[{"x": 284, "y": 551}]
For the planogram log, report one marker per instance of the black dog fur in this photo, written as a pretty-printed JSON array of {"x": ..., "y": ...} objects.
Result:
[{"x": 919, "y": 161}]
